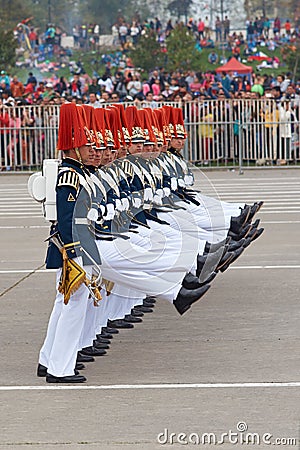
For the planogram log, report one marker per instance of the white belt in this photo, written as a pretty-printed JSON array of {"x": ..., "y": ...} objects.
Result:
[{"x": 81, "y": 221}]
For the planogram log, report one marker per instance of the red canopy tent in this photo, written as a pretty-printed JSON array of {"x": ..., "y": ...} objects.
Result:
[{"x": 233, "y": 65}]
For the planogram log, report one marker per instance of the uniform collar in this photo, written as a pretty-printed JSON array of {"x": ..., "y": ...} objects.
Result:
[
  {"x": 76, "y": 163},
  {"x": 91, "y": 169},
  {"x": 175, "y": 152}
]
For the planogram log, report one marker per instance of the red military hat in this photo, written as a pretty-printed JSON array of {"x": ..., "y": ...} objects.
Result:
[
  {"x": 168, "y": 111},
  {"x": 146, "y": 124},
  {"x": 178, "y": 123},
  {"x": 100, "y": 128},
  {"x": 108, "y": 117},
  {"x": 90, "y": 119},
  {"x": 123, "y": 120},
  {"x": 160, "y": 121},
  {"x": 134, "y": 125},
  {"x": 73, "y": 131}
]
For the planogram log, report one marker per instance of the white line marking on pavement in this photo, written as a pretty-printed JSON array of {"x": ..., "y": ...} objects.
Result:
[
  {"x": 239, "y": 190},
  {"x": 23, "y": 215},
  {"x": 13, "y": 189},
  {"x": 23, "y": 227},
  {"x": 32, "y": 215},
  {"x": 273, "y": 179},
  {"x": 267, "y": 267},
  {"x": 279, "y": 212},
  {"x": 19, "y": 227},
  {"x": 27, "y": 271},
  {"x": 268, "y": 201},
  {"x": 282, "y": 208},
  {"x": 259, "y": 195},
  {"x": 16, "y": 200},
  {"x": 250, "y": 185},
  {"x": 282, "y": 201},
  {"x": 152, "y": 386},
  {"x": 278, "y": 221},
  {"x": 13, "y": 208}
]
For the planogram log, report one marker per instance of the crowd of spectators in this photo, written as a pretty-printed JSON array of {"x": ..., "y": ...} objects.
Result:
[
  {"x": 205, "y": 97},
  {"x": 130, "y": 85},
  {"x": 125, "y": 34},
  {"x": 257, "y": 32},
  {"x": 44, "y": 51},
  {"x": 37, "y": 48},
  {"x": 194, "y": 91}
]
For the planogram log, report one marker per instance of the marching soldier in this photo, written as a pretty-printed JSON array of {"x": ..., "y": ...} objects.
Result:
[{"x": 59, "y": 352}]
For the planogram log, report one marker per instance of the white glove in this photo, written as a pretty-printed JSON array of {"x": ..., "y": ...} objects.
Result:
[
  {"x": 137, "y": 202},
  {"x": 148, "y": 195},
  {"x": 102, "y": 210},
  {"x": 93, "y": 214},
  {"x": 167, "y": 191},
  {"x": 173, "y": 184},
  {"x": 110, "y": 211},
  {"x": 125, "y": 204},
  {"x": 189, "y": 180},
  {"x": 181, "y": 183},
  {"x": 119, "y": 206},
  {"x": 157, "y": 200},
  {"x": 160, "y": 193}
]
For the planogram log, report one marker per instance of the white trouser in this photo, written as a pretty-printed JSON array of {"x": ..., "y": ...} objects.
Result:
[
  {"x": 109, "y": 305},
  {"x": 209, "y": 216},
  {"x": 220, "y": 212},
  {"x": 113, "y": 306},
  {"x": 159, "y": 241},
  {"x": 178, "y": 239},
  {"x": 90, "y": 324},
  {"x": 122, "y": 300},
  {"x": 116, "y": 305},
  {"x": 102, "y": 312},
  {"x": 181, "y": 219},
  {"x": 153, "y": 262},
  {"x": 149, "y": 268},
  {"x": 65, "y": 328},
  {"x": 158, "y": 270}
]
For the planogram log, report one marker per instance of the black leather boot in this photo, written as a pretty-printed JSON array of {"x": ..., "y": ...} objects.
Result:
[{"x": 186, "y": 298}]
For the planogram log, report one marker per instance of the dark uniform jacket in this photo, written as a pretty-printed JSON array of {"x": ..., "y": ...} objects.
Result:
[{"x": 73, "y": 202}]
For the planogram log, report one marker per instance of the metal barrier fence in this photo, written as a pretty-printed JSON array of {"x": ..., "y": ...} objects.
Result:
[
  {"x": 28, "y": 135},
  {"x": 242, "y": 132},
  {"x": 220, "y": 133}
]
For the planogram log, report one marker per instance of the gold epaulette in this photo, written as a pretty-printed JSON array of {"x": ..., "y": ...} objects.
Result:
[
  {"x": 69, "y": 178},
  {"x": 127, "y": 168}
]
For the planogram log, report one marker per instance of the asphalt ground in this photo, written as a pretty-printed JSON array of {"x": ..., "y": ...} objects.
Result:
[{"x": 229, "y": 365}]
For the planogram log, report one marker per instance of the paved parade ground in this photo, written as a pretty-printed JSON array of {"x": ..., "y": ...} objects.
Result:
[{"x": 229, "y": 365}]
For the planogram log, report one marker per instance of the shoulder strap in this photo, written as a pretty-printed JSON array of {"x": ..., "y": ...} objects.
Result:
[{"x": 68, "y": 177}]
